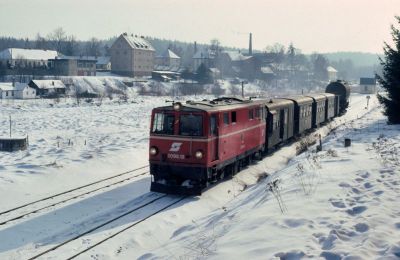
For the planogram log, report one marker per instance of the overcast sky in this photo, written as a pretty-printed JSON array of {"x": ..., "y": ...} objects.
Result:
[{"x": 312, "y": 25}]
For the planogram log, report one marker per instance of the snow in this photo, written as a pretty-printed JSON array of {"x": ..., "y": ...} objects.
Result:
[
  {"x": 28, "y": 54},
  {"x": 48, "y": 84},
  {"x": 337, "y": 203}
]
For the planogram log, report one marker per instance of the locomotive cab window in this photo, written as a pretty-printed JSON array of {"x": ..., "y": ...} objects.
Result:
[
  {"x": 163, "y": 123},
  {"x": 233, "y": 116},
  {"x": 226, "y": 119},
  {"x": 191, "y": 125},
  {"x": 251, "y": 114}
]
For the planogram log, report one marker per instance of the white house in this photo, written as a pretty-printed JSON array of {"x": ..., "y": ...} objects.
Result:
[
  {"x": 332, "y": 73},
  {"x": 15, "y": 57},
  {"x": 23, "y": 91},
  {"x": 367, "y": 85},
  {"x": 7, "y": 90}
]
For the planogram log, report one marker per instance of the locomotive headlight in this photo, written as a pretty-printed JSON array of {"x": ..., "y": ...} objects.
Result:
[
  {"x": 199, "y": 154},
  {"x": 153, "y": 150},
  {"x": 177, "y": 106}
]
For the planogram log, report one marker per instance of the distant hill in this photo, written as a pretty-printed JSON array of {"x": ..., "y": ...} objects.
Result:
[{"x": 359, "y": 59}]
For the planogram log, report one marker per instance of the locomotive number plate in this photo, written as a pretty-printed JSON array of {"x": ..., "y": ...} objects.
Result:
[{"x": 176, "y": 156}]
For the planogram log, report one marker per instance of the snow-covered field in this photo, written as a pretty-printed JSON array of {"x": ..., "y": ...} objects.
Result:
[{"x": 338, "y": 203}]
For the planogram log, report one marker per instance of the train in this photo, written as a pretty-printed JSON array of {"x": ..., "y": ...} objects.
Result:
[{"x": 197, "y": 143}]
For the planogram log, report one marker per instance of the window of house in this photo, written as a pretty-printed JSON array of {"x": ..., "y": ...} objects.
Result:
[
  {"x": 226, "y": 119},
  {"x": 233, "y": 116}
]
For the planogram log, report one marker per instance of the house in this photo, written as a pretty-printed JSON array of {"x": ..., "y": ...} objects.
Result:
[
  {"x": 23, "y": 91},
  {"x": 7, "y": 90},
  {"x": 205, "y": 56},
  {"x": 103, "y": 63},
  {"x": 73, "y": 66},
  {"x": 332, "y": 73},
  {"x": 235, "y": 64},
  {"x": 367, "y": 85},
  {"x": 168, "y": 59},
  {"x": 132, "y": 56},
  {"x": 48, "y": 88},
  {"x": 26, "y": 58}
]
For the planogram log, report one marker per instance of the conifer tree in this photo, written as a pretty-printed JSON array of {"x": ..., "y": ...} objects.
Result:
[{"x": 390, "y": 79}]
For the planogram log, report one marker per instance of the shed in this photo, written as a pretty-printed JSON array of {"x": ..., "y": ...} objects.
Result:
[
  {"x": 7, "y": 90},
  {"x": 48, "y": 88},
  {"x": 23, "y": 91}
]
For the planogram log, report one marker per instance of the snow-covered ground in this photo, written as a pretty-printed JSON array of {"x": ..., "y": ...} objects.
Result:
[{"x": 338, "y": 203}]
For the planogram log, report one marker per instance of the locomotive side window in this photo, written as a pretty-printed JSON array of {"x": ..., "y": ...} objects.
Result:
[
  {"x": 251, "y": 114},
  {"x": 233, "y": 116},
  {"x": 163, "y": 123},
  {"x": 213, "y": 124},
  {"x": 257, "y": 112},
  {"x": 191, "y": 125},
  {"x": 226, "y": 119}
]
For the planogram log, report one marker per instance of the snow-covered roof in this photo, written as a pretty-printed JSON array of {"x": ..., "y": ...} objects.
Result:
[
  {"x": 82, "y": 58},
  {"x": 103, "y": 60},
  {"x": 27, "y": 54},
  {"x": 166, "y": 68},
  {"x": 266, "y": 70},
  {"x": 6, "y": 86},
  {"x": 204, "y": 54},
  {"x": 48, "y": 84},
  {"x": 168, "y": 54},
  {"x": 331, "y": 69},
  {"x": 20, "y": 86},
  {"x": 237, "y": 56},
  {"x": 137, "y": 42}
]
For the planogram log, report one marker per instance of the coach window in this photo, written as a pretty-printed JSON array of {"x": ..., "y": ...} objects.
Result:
[
  {"x": 191, "y": 125},
  {"x": 163, "y": 123},
  {"x": 233, "y": 117},
  {"x": 226, "y": 119}
]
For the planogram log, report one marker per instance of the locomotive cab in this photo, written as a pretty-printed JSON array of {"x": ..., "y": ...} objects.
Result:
[{"x": 178, "y": 142}]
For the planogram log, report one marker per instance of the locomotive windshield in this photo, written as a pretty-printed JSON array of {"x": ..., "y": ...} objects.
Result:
[
  {"x": 163, "y": 123},
  {"x": 191, "y": 125}
]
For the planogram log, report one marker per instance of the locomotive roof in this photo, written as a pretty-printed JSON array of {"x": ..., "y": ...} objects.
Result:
[{"x": 223, "y": 103}]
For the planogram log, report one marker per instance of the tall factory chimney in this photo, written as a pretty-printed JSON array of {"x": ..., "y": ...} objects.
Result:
[
  {"x": 195, "y": 47},
  {"x": 250, "y": 44}
]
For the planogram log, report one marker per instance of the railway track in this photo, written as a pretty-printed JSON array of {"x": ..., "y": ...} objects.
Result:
[
  {"x": 74, "y": 196},
  {"x": 103, "y": 224}
]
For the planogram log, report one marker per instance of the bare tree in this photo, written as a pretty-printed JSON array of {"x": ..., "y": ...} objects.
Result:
[{"x": 58, "y": 38}]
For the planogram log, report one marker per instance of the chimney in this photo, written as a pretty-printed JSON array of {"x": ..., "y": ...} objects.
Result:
[
  {"x": 195, "y": 47},
  {"x": 250, "y": 44}
]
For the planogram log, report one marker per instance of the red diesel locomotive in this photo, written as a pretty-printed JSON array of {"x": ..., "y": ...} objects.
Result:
[{"x": 196, "y": 143}]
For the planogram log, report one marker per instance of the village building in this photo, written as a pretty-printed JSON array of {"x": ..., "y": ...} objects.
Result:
[
  {"x": 332, "y": 73},
  {"x": 168, "y": 60},
  {"x": 48, "y": 88},
  {"x": 7, "y": 90},
  {"x": 368, "y": 86},
  {"x": 23, "y": 91},
  {"x": 132, "y": 56},
  {"x": 73, "y": 66},
  {"x": 205, "y": 57},
  {"x": 103, "y": 63},
  {"x": 25, "y": 58}
]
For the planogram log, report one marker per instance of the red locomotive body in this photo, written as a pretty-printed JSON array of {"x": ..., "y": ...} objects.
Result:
[{"x": 196, "y": 143}]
